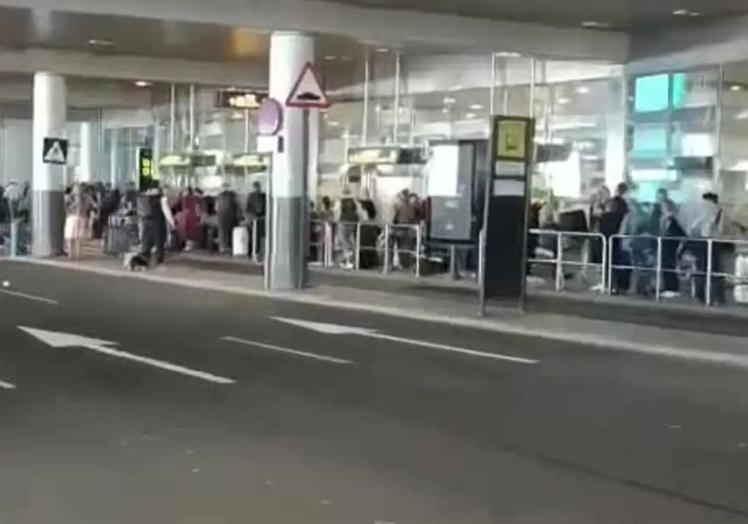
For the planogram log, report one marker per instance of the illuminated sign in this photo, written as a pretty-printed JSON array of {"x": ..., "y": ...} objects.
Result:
[
  {"x": 385, "y": 156},
  {"x": 231, "y": 99}
]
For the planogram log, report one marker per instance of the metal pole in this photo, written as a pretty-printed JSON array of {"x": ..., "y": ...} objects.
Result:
[
  {"x": 173, "y": 119},
  {"x": 717, "y": 165},
  {"x": 453, "y": 262},
  {"x": 605, "y": 264},
  {"x": 658, "y": 278},
  {"x": 482, "y": 272},
  {"x": 559, "y": 260},
  {"x": 304, "y": 215},
  {"x": 386, "y": 267},
  {"x": 192, "y": 117},
  {"x": 709, "y": 268},
  {"x": 419, "y": 241},
  {"x": 255, "y": 254},
  {"x": 492, "y": 90},
  {"x": 396, "y": 119},
  {"x": 365, "y": 116},
  {"x": 531, "y": 109},
  {"x": 358, "y": 246},
  {"x": 610, "y": 264},
  {"x": 246, "y": 130}
]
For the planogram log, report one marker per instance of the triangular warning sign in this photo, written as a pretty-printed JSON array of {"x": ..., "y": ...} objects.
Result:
[
  {"x": 55, "y": 151},
  {"x": 307, "y": 92}
]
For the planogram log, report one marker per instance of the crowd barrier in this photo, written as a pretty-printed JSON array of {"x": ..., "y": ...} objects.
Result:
[{"x": 620, "y": 259}]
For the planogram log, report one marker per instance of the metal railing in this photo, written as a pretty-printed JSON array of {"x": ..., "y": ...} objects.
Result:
[
  {"x": 561, "y": 246},
  {"x": 706, "y": 259}
]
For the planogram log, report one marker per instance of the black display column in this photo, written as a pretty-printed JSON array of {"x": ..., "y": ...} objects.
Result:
[{"x": 506, "y": 211}]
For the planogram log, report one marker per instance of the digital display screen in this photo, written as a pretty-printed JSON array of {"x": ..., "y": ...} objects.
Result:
[{"x": 652, "y": 93}]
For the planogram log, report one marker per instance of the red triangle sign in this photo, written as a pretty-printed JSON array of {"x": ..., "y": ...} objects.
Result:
[{"x": 307, "y": 92}]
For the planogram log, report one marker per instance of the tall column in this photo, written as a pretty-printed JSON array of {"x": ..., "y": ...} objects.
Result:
[
  {"x": 48, "y": 209},
  {"x": 289, "y": 51},
  {"x": 87, "y": 152}
]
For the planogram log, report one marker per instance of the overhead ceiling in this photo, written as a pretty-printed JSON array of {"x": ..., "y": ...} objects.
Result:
[
  {"x": 22, "y": 28},
  {"x": 625, "y": 15}
]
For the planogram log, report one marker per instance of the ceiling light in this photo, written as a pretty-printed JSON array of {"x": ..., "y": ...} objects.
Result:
[
  {"x": 582, "y": 90},
  {"x": 595, "y": 24},
  {"x": 449, "y": 100},
  {"x": 446, "y": 110},
  {"x": 736, "y": 87},
  {"x": 100, "y": 42},
  {"x": 476, "y": 107},
  {"x": 331, "y": 58},
  {"x": 507, "y": 54},
  {"x": 563, "y": 100},
  {"x": 470, "y": 116},
  {"x": 685, "y": 12},
  {"x": 333, "y": 123},
  {"x": 382, "y": 50},
  {"x": 143, "y": 83}
]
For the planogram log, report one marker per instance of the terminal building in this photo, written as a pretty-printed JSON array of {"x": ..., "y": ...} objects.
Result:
[{"x": 644, "y": 95}]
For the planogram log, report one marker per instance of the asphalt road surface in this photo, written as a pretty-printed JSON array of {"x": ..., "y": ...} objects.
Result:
[{"x": 125, "y": 401}]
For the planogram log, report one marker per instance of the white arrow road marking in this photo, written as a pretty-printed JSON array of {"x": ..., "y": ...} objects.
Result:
[
  {"x": 35, "y": 298},
  {"x": 62, "y": 340},
  {"x": 6, "y": 385},
  {"x": 335, "y": 329},
  {"x": 306, "y": 354}
]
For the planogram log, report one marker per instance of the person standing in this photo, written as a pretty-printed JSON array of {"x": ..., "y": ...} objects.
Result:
[
  {"x": 155, "y": 221},
  {"x": 227, "y": 211},
  {"x": 255, "y": 211},
  {"x": 78, "y": 208},
  {"x": 709, "y": 225},
  {"x": 347, "y": 216}
]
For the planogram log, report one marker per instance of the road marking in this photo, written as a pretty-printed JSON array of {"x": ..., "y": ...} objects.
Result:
[
  {"x": 306, "y": 354},
  {"x": 62, "y": 340},
  {"x": 336, "y": 329},
  {"x": 35, "y": 298},
  {"x": 6, "y": 385}
]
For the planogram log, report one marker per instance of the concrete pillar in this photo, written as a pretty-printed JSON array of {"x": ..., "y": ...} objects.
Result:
[
  {"x": 87, "y": 153},
  {"x": 48, "y": 209},
  {"x": 289, "y": 52}
]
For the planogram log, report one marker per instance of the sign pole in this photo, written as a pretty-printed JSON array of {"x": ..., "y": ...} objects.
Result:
[{"x": 304, "y": 197}]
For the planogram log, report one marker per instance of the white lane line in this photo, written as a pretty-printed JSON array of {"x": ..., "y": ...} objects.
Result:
[
  {"x": 6, "y": 385},
  {"x": 176, "y": 368},
  {"x": 306, "y": 354},
  {"x": 454, "y": 349},
  {"x": 35, "y": 298}
]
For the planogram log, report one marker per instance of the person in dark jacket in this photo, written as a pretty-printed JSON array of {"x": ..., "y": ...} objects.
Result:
[
  {"x": 610, "y": 224},
  {"x": 227, "y": 210}
]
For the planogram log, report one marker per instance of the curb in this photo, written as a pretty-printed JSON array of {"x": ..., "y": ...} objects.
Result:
[{"x": 496, "y": 326}]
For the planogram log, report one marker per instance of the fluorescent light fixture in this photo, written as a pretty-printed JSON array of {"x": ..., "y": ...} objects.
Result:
[
  {"x": 449, "y": 100},
  {"x": 685, "y": 12},
  {"x": 143, "y": 83},
  {"x": 736, "y": 87},
  {"x": 236, "y": 115},
  {"x": 382, "y": 50},
  {"x": 476, "y": 107},
  {"x": 100, "y": 42},
  {"x": 333, "y": 123},
  {"x": 595, "y": 24},
  {"x": 470, "y": 116},
  {"x": 582, "y": 90},
  {"x": 563, "y": 100},
  {"x": 507, "y": 54},
  {"x": 331, "y": 58}
]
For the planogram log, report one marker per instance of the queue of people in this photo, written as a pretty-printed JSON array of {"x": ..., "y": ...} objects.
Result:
[{"x": 634, "y": 231}]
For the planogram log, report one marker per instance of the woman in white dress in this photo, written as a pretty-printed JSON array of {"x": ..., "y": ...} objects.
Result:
[{"x": 78, "y": 208}]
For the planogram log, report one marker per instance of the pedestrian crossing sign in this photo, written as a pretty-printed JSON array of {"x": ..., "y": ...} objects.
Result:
[{"x": 55, "y": 151}]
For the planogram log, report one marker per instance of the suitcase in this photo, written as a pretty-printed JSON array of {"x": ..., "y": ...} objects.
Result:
[{"x": 240, "y": 241}]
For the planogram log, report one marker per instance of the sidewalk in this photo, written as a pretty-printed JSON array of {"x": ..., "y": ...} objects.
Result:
[{"x": 405, "y": 300}]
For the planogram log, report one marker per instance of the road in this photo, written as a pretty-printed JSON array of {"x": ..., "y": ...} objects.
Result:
[{"x": 203, "y": 407}]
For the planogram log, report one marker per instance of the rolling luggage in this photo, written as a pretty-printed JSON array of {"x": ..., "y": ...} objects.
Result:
[
  {"x": 240, "y": 241},
  {"x": 121, "y": 235}
]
